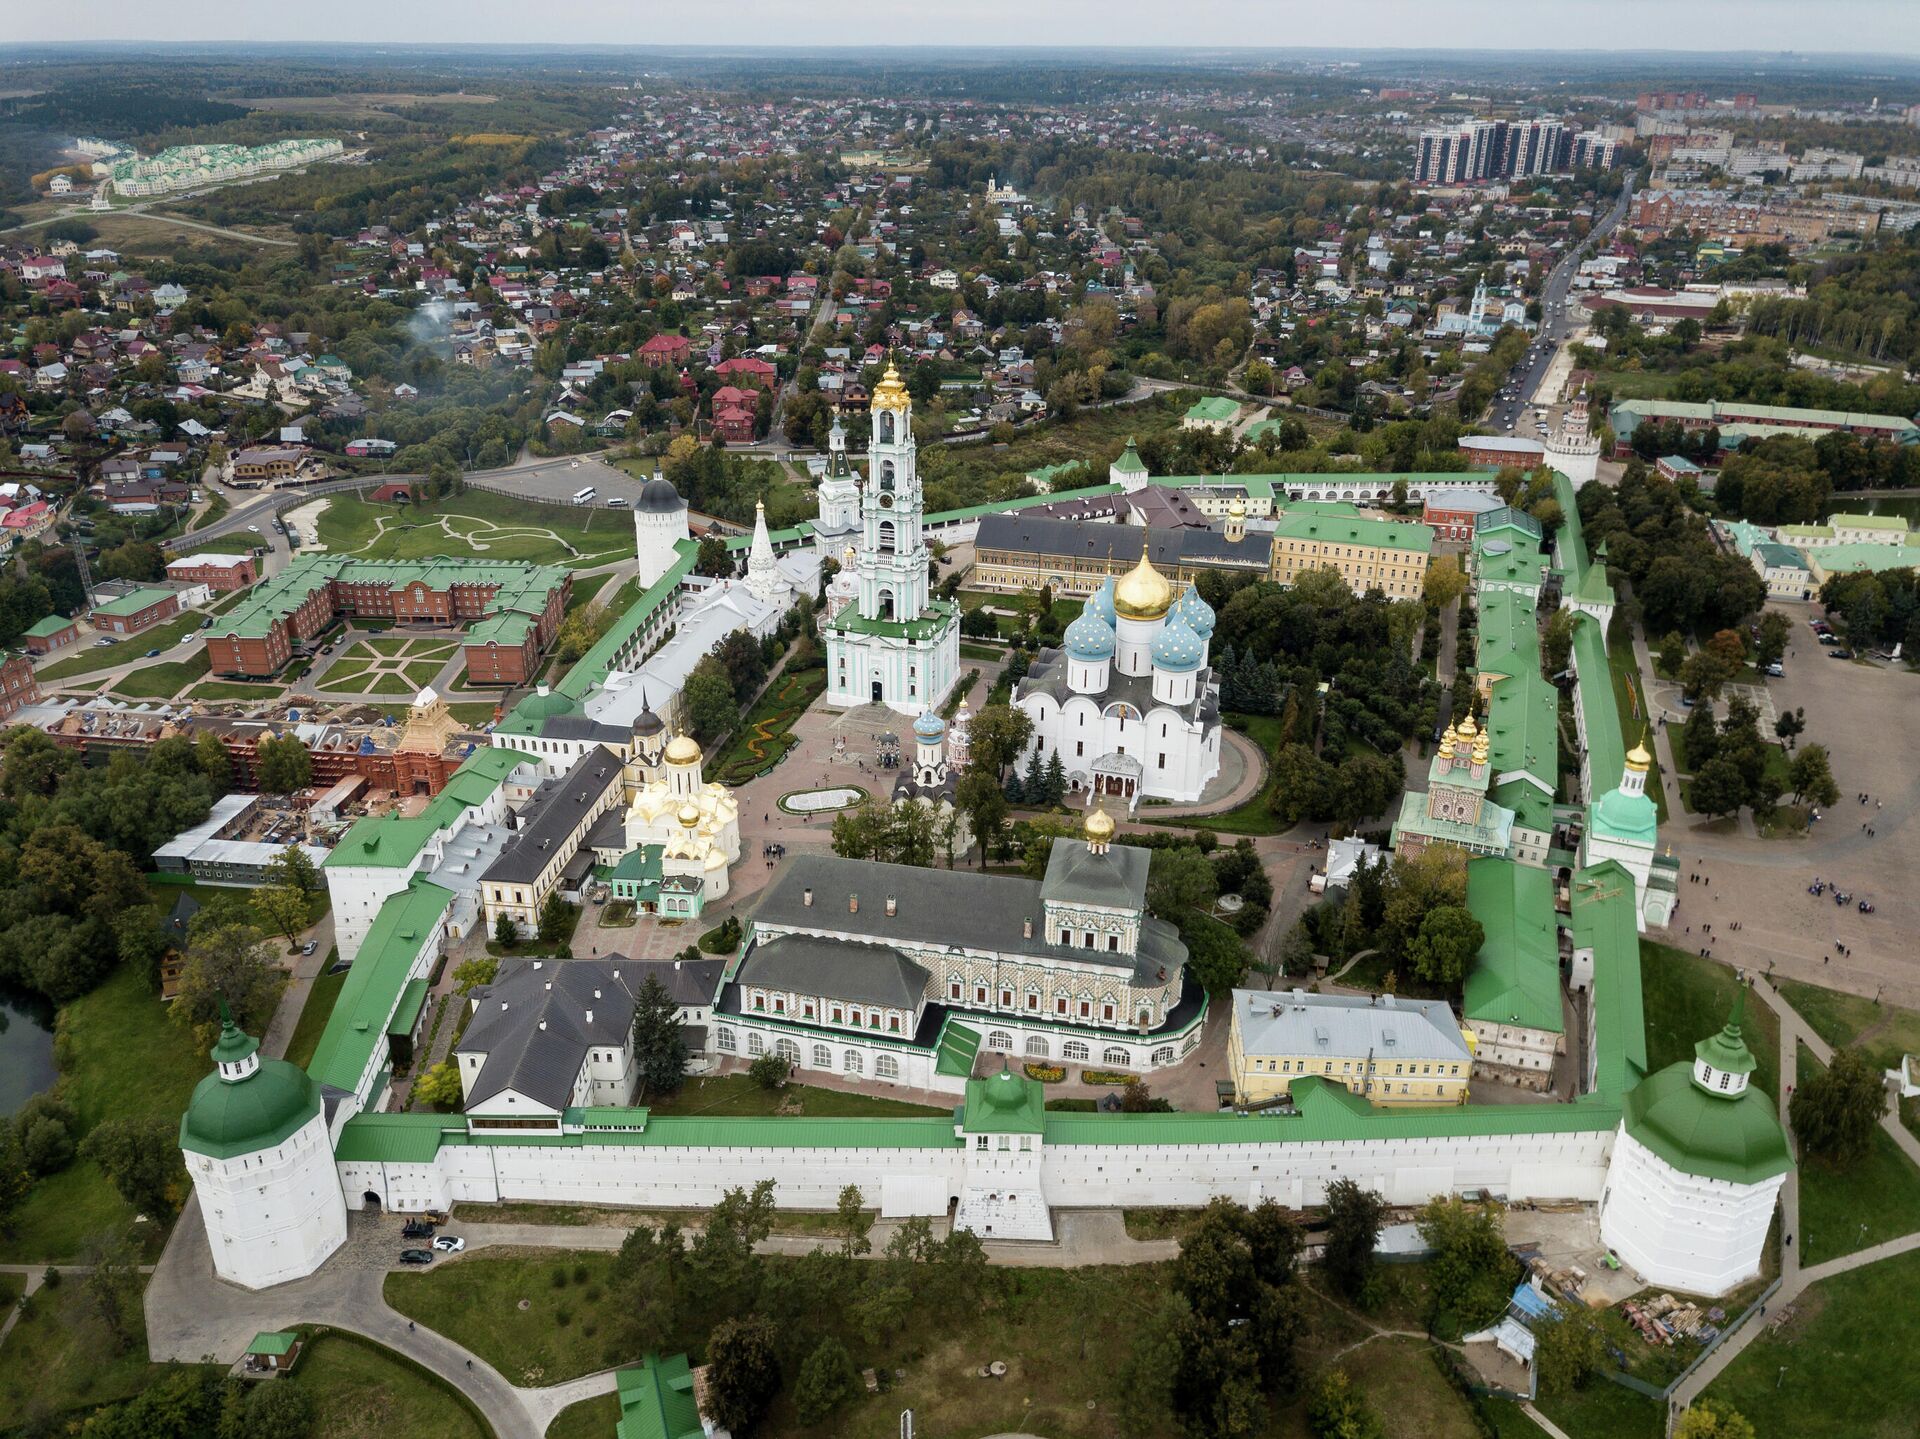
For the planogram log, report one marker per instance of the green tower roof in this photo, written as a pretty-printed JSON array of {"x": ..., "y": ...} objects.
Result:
[
  {"x": 1735, "y": 1137},
  {"x": 1620, "y": 815},
  {"x": 1130, "y": 461},
  {"x": 226, "y": 1117},
  {"x": 1004, "y": 1103}
]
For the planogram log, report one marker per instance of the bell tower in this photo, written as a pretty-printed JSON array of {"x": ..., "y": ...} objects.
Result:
[{"x": 893, "y": 552}]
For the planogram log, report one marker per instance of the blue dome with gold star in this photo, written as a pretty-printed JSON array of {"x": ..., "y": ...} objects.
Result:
[
  {"x": 1089, "y": 638},
  {"x": 1177, "y": 649}
]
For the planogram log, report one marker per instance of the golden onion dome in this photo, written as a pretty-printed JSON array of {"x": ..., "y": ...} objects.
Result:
[
  {"x": 1467, "y": 727},
  {"x": 1447, "y": 743},
  {"x": 683, "y": 750},
  {"x": 1638, "y": 759},
  {"x": 1143, "y": 592},
  {"x": 689, "y": 814},
  {"x": 1099, "y": 825},
  {"x": 891, "y": 392},
  {"x": 1237, "y": 508}
]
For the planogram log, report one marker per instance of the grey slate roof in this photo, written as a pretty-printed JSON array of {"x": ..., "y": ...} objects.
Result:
[
  {"x": 1386, "y": 1027},
  {"x": 1023, "y": 533},
  {"x": 1076, "y": 875},
  {"x": 553, "y": 813},
  {"x": 944, "y": 908},
  {"x": 836, "y": 968},
  {"x": 576, "y": 726},
  {"x": 1048, "y": 676},
  {"x": 531, "y": 1024}
]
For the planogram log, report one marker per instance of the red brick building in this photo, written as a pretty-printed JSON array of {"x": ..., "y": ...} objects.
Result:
[
  {"x": 18, "y": 687},
  {"x": 512, "y": 610},
  {"x": 664, "y": 350},
  {"x": 55, "y": 632},
  {"x": 133, "y": 612},
  {"x": 220, "y": 573},
  {"x": 733, "y": 415},
  {"x": 748, "y": 372}
]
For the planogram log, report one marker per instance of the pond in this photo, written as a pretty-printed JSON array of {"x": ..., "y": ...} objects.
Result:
[
  {"x": 26, "y": 1049},
  {"x": 1906, "y": 506}
]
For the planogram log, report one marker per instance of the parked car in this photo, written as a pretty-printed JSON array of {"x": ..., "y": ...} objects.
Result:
[
  {"x": 1829, "y": 639},
  {"x": 310, "y": 946},
  {"x": 416, "y": 1229},
  {"x": 416, "y": 1256},
  {"x": 1839, "y": 654},
  {"x": 449, "y": 1244},
  {"x": 151, "y": 655},
  {"x": 207, "y": 623},
  {"x": 1776, "y": 669},
  {"x": 101, "y": 643}
]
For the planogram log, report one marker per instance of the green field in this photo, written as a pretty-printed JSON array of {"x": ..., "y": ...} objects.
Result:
[
  {"x": 1625, "y": 671},
  {"x": 120, "y": 1057},
  {"x": 1256, "y": 816},
  {"x": 1885, "y": 1032},
  {"x": 60, "y": 1357},
  {"x": 589, "y": 1419},
  {"x": 1842, "y": 1210},
  {"x": 478, "y": 523},
  {"x": 393, "y": 665},
  {"x": 736, "y": 1094},
  {"x": 234, "y": 690},
  {"x": 95, "y": 658},
  {"x": 1605, "y": 1411},
  {"x": 1688, "y": 998},
  {"x": 313, "y": 1017},
  {"x": 765, "y": 732},
  {"x": 163, "y": 679},
  {"x": 1841, "y": 1368},
  {"x": 362, "y": 1391}
]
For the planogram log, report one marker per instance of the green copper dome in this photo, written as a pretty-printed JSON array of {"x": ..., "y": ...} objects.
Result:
[
  {"x": 1735, "y": 1137},
  {"x": 1727, "y": 1050},
  {"x": 1620, "y": 815},
  {"x": 264, "y": 1107}
]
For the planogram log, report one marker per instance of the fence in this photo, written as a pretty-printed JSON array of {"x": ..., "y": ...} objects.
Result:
[{"x": 1665, "y": 1394}]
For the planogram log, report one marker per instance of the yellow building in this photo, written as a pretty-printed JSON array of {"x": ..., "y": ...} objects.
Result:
[
  {"x": 1369, "y": 554},
  {"x": 1391, "y": 1051}
]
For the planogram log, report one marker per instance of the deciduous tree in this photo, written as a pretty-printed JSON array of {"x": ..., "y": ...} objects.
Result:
[{"x": 1834, "y": 1112}]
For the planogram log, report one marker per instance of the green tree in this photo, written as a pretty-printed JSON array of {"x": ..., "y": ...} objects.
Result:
[
  {"x": 1834, "y": 1112},
  {"x": 827, "y": 1381},
  {"x": 1472, "y": 1273},
  {"x": 1772, "y": 644},
  {"x": 111, "y": 1286},
  {"x": 283, "y": 909},
  {"x": 1705, "y": 673},
  {"x": 980, "y": 797},
  {"x": 505, "y": 933},
  {"x": 1718, "y": 786},
  {"x": 1810, "y": 776},
  {"x": 141, "y": 1158},
  {"x": 282, "y": 765},
  {"x": 1445, "y": 944},
  {"x": 16, "y": 1177},
  {"x": 1445, "y": 582},
  {"x": 1235, "y": 1271},
  {"x": 278, "y": 1411},
  {"x": 711, "y": 707},
  {"x": 743, "y": 1373},
  {"x": 1672, "y": 654},
  {"x": 1179, "y": 879},
  {"x": 714, "y": 559},
  {"x": 1707, "y": 1419},
  {"x": 1336, "y": 1410},
  {"x": 230, "y": 961},
  {"x": 996, "y": 737},
  {"x": 439, "y": 1086},
  {"x": 471, "y": 974},
  {"x": 659, "y": 1051},
  {"x": 1354, "y": 1216},
  {"x": 769, "y": 1071},
  {"x": 557, "y": 919},
  {"x": 214, "y": 761},
  {"x": 1569, "y": 1351},
  {"x": 292, "y": 868},
  {"x": 852, "y": 1221}
]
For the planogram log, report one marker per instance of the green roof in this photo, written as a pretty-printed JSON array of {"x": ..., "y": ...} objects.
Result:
[
  {"x": 1632, "y": 817},
  {"x": 1515, "y": 978},
  {"x": 406, "y": 1014},
  {"x": 1848, "y": 558},
  {"x": 1709, "y": 411},
  {"x": 1130, "y": 462},
  {"x": 1600, "y": 717},
  {"x": 1735, "y": 1137},
  {"x": 416, "y": 1138},
  {"x": 957, "y": 1046},
  {"x": 134, "y": 601},
  {"x": 1605, "y": 919},
  {"x": 376, "y": 983},
  {"x": 1341, "y": 530},
  {"x": 1216, "y": 409},
  {"x": 50, "y": 626},
  {"x": 1777, "y": 556},
  {"x": 657, "y": 1400},
  {"x": 276, "y": 1342},
  {"x": 395, "y": 841},
  {"x": 1585, "y": 578},
  {"x": 373, "y": 1138},
  {"x": 1005, "y": 1103},
  {"x": 519, "y": 586},
  {"x": 1895, "y": 523},
  {"x": 939, "y": 615},
  {"x": 229, "y": 1117}
]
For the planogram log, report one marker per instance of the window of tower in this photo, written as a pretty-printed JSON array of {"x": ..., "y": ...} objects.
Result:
[
  {"x": 886, "y": 475},
  {"x": 888, "y": 544}
]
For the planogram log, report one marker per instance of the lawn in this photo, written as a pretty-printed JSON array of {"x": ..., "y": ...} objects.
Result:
[
  {"x": 313, "y": 1017},
  {"x": 1065, "y": 611},
  {"x": 1627, "y": 699},
  {"x": 93, "y": 659},
  {"x": 1688, "y": 998},
  {"x": 1413, "y": 1398},
  {"x": 1060, "y": 1332},
  {"x": 362, "y": 1391},
  {"x": 165, "y": 678},
  {"x": 736, "y": 1094},
  {"x": 765, "y": 734},
  {"x": 1604, "y": 1410},
  {"x": 1256, "y": 816},
  {"x": 59, "y": 1357},
  {"x": 120, "y": 1056},
  {"x": 974, "y": 650},
  {"x": 1841, "y": 1368},
  {"x": 589, "y": 1419},
  {"x": 478, "y": 524},
  {"x": 1884, "y": 1032},
  {"x": 234, "y": 690},
  {"x": 1875, "y": 1199}
]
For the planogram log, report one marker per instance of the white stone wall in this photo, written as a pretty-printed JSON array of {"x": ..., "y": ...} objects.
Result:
[
  {"x": 274, "y": 1215},
  {"x": 1680, "y": 1231},
  {"x": 1082, "y": 732}
]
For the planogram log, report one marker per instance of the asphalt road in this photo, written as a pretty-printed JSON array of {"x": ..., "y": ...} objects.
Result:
[{"x": 1555, "y": 325}]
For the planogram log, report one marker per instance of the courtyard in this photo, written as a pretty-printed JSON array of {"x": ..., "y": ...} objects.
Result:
[{"x": 390, "y": 665}]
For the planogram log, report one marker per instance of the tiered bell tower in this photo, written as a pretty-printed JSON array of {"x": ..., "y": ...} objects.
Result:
[{"x": 1571, "y": 449}]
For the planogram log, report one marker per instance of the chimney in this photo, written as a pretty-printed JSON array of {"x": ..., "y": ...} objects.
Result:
[
  {"x": 536, "y": 964},
  {"x": 890, "y": 906},
  {"x": 589, "y": 1016},
  {"x": 596, "y": 993},
  {"x": 1026, "y": 927},
  {"x": 806, "y": 897},
  {"x": 543, "y": 1025},
  {"x": 853, "y": 904}
]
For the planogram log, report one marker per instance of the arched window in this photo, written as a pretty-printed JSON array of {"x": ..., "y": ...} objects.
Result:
[
  {"x": 755, "y": 1045},
  {"x": 885, "y": 427},
  {"x": 1162, "y": 1055},
  {"x": 885, "y": 602},
  {"x": 1037, "y": 1047},
  {"x": 787, "y": 1050},
  {"x": 854, "y": 1064},
  {"x": 1074, "y": 1050},
  {"x": 887, "y": 539},
  {"x": 999, "y": 1041},
  {"x": 822, "y": 1057},
  {"x": 885, "y": 1066},
  {"x": 723, "y": 1040},
  {"x": 886, "y": 476},
  {"x": 1115, "y": 1055}
]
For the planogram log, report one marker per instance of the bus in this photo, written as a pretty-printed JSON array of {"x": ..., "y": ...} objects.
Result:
[{"x": 584, "y": 496}]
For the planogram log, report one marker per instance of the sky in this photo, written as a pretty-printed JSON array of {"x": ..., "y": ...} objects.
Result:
[{"x": 1880, "y": 26}]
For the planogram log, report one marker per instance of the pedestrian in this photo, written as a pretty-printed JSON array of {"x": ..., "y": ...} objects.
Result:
[
  {"x": 469, "y": 1364},
  {"x": 1789, "y": 1245}
]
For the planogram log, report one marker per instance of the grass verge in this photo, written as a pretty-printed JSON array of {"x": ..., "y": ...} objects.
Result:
[{"x": 1843, "y": 1210}]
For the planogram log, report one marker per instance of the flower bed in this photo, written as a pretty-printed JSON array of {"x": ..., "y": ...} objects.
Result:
[
  {"x": 1105, "y": 1076},
  {"x": 767, "y": 732},
  {"x": 1045, "y": 1073},
  {"x": 820, "y": 801}
]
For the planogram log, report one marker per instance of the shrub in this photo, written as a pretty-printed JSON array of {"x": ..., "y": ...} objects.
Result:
[
  {"x": 559, "y": 1277},
  {"x": 1105, "y": 1076},
  {"x": 1045, "y": 1073}
]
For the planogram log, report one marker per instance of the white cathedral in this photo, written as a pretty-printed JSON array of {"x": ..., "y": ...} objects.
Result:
[
  {"x": 890, "y": 643},
  {"x": 1128, "y": 701}
]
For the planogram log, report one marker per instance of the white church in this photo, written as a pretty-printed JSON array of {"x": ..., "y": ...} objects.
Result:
[{"x": 891, "y": 644}]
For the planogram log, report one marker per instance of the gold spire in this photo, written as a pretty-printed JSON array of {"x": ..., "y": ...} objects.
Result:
[
  {"x": 1143, "y": 592},
  {"x": 1447, "y": 743},
  {"x": 891, "y": 393}
]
